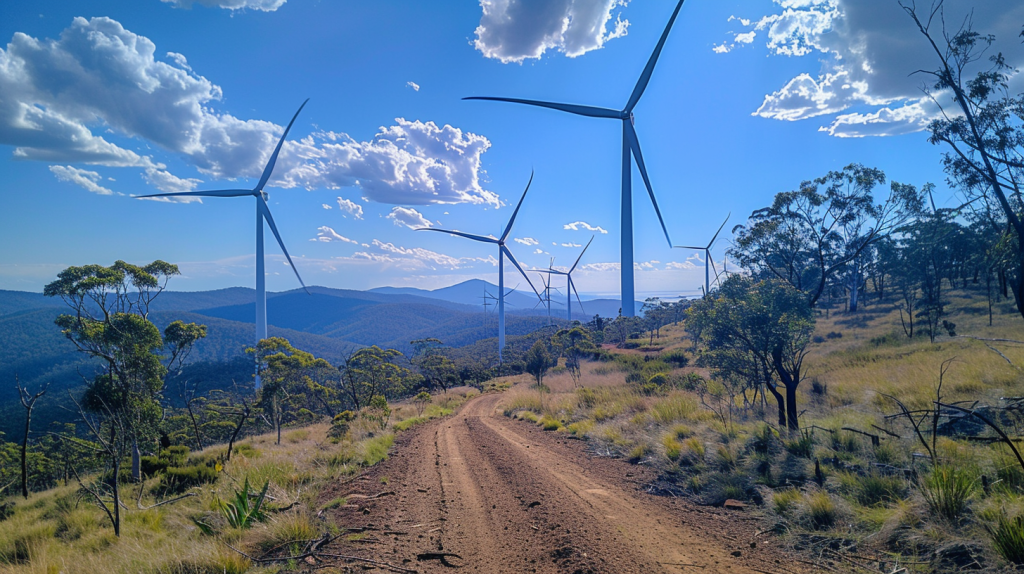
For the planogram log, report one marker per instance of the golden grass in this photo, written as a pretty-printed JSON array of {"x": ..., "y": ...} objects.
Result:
[{"x": 54, "y": 532}]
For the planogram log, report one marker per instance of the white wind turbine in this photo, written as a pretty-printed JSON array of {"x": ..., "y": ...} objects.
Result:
[
  {"x": 262, "y": 214},
  {"x": 503, "y": 251},
  {"x": 708, "y": 261},
  {"x": 570, "y": 287}
]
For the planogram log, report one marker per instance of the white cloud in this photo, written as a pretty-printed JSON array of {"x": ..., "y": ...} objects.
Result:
[
  {"x": 326, "y": 206},
  {"x": 516, "y": 30},
  {"x": 98, "y": 75},
  {"x": 527, "y": 241},
  {"x": 683, "y": 265},
  {"x": 408, "y": 217},
  {"x": 576, "y": 225},
  {"x": 571, "y": 244},
  {"x": 415, "y": 87},
  {"x": 538, "y": 251},
  {"x": 326, "y": 235},
  {"x": 599, "y": 267},
  {"x": 350, "y": 207},
  {"x": 866, "y": 52},
  {"x": 434, "y": 257},
  {"x": 262, "y": 5},
  {"x": 84, "y": 178}
]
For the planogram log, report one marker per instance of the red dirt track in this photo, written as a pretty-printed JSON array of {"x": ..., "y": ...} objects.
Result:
[{"x": 505, "y": 496}]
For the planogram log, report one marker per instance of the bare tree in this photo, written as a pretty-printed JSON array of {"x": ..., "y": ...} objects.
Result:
[{"x": 29, "y": 402}]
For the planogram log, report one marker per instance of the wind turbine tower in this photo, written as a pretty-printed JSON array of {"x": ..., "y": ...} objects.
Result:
[
  {"x": 709, "y": 263},
  {"x": 503, "y": 251},
  {"x": 630, "y": 151},
  {"x": 262, "y": 214}
]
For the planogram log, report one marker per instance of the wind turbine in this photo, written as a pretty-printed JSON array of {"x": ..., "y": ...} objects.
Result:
[
  {"x": 630, "y": 150},
  {"x": 708, "y": 261},
  {"x": 503, "y": 250},
  {"x": 570, "y": 286},
  {"x": 262, "y": 214},
  {"x": 546, "y": 299}
]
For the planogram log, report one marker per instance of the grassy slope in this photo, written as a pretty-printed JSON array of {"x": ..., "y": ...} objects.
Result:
[
  {"x": 58, "y": 531},
  {"x": 714, "y": 459}
]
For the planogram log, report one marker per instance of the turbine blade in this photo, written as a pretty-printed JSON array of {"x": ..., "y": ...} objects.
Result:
[
  {"x": 512, "y": 219},
  {"x": 573, "y": 268},
  {"x": 645, "y": 77},
  {"x": 701, "y": 248},
  {"x": 516, "y": 263},
  {"x": 578, "y": 300},
  {"x": 713, "y": 239},
  {"x": 589, "y": 111},
  {"x": 713, "y": 268},
  {"x": 214, "y": 193},
  {"x": 265, "y": 210},
  {"x": 634, "y": 144},
  {"x": 273, "y": 157},
  {"x": 461, "y": 234}
]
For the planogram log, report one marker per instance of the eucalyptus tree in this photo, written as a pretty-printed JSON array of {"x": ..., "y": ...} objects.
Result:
[
  {"x": 110, "y": 322},
  {"x": 759, "y": 329},
  {"x": 289, "y": 391},
  {"x": 372, "y": 371},
  {"x": 808, "y": 236},
  {"x": 983, "y": 130},
  {"x": 574, "y": 343}
]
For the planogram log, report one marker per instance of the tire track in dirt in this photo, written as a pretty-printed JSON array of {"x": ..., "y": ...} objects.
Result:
[{"x": 506, "y": 497}]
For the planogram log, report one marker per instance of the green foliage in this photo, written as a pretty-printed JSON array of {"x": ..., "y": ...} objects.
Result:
[
  {"x": 538, "y": 361},
  {"x": 182, "y": 478},
  {"x": 821, "y": 511},
  {"x": 948, "y": 491},
  {"x": 372, "y": 371},
  {"x": 877, "y": 489},
  {"x": 378, "y": 411},
  {"x": 1008, "y": 537},
  {"x": 245, "y": 510},
  {"x": 421, "y": 401},
  {"x": 574, "y": 344}
]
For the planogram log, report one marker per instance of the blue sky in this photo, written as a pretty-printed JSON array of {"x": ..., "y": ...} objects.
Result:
[{"x": 103, "y": 100}]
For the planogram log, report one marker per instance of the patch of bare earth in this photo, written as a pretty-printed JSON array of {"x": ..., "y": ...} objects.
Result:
[{"x": 488, "y": 494}]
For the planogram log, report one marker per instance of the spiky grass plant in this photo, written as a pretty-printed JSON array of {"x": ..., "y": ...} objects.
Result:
[{"x": 948, "y": 491}]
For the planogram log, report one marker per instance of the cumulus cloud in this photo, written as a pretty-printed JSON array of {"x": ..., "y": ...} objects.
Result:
[
  {"x": 516, "y": 30},
  {"x": 99, "y": 76},
  {"x": 865, "y": 53},
  {"x": 415, "y": 87},
  {"x": 571, "y": 244},
  {"x": 683, "y": 265},
  {"x": 576, "y": 225},
  {"x": 527, "y": 241},
  {"x": 350, "y": 207},
  {"x": 408, "y": 217},
  {"x": 81, "y": 177},
  {"x": 438, "y": 259},
  {"x": 326, "y": 206},
  {"x": 327, "y": 235},
  {"x": 261, "y": 5},
  {"x": 601, "y": 267}
]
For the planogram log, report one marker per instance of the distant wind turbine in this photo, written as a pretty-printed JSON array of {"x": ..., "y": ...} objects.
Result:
[
  {"x": 262, "y": 213},
  {"x": 708, "y": 261},
  {"x": 570, "y": 287},
  {"x": 503, "y": 251},
  {"x": 630, "y": 150}
]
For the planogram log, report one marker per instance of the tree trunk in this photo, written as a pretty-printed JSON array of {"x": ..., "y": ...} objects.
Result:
[
  {"x": 854, "y": 288},
  {"x": 24, "y": 453},
  {"x": 136, "y": 461},
  {"x": 117, "y": 494},
  {"x": 195, "y": 425},
  {"x": 781, "y": 401},
  {"x": 791, "y": 383}
]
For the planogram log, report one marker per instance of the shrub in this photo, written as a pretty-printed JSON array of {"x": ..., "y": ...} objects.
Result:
[
  {"x": 673, "y": 448},
  {"x": 784, "y": 501},
  {"x": 802, "y": 445},
  {"x": 587, "y": 398},
  {"x": 638, "y": 453},
  {"x": 550, "y": 423},
  {"x": 694, "y": 450},
  {"x": 182, "y": 478},
  {"x": 675, "y": 357},
  {"x": 1008, "y": 537},
  {"x": 244, "y": 509},
  {"x": 875, "y": 488},
  {"x": 725, "y": 459},
  {"x": 821, "y": 511},
  {"x": 673, "y": 408},
  {"x": 948, "y": 491}
]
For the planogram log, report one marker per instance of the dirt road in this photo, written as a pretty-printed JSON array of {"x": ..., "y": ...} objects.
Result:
[{"x": 505, "y": 496}]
